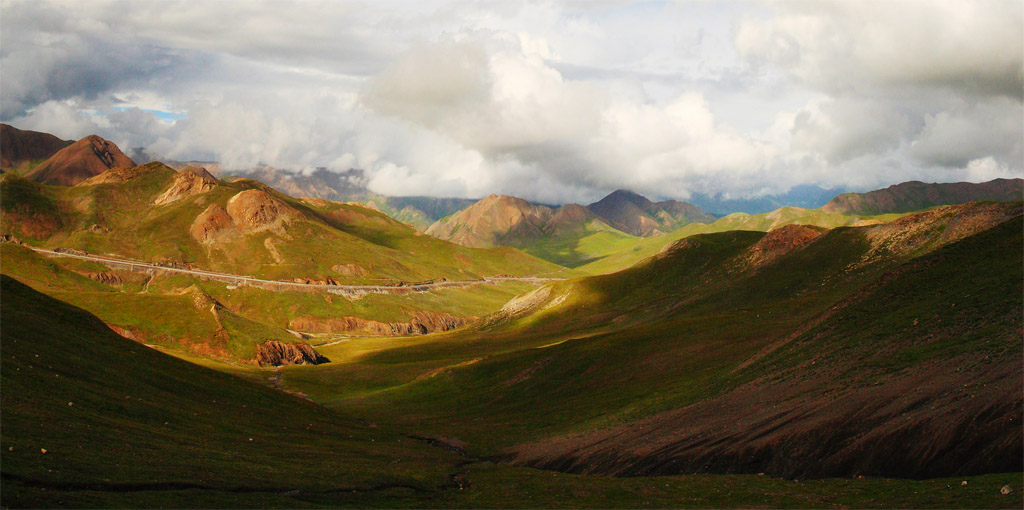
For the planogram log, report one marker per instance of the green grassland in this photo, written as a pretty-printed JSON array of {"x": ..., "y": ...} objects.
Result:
[
  {"x": 174, "y": 311},
  {"x": 125, "y": 426}
]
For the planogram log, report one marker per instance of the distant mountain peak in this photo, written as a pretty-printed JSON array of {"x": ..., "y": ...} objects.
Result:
[
  {"x": 79, "y": 161},
  {"x": 635, "y": 214}
]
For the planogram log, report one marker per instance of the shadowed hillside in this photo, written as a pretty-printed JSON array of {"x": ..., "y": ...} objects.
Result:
[
  {"x": 888, "y": 349},
  {"x": 22, "y": 149}
]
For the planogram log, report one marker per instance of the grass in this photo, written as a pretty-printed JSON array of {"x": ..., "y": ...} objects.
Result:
[{"x": 148, "y": 430}]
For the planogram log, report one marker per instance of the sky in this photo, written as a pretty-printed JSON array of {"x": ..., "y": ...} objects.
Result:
[{"x": 551, "y": 101}]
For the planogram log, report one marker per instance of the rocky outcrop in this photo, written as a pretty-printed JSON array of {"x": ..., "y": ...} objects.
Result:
[
  {"x": 421, "y": 323},
  {"x": 188, "y": 183},
  {"x": 273, "y": 353},
  {"x": 105, "y": 277},
  {"x": 79, "y": 161},
  {"x": 256, "y": 210},
  {"x": 210, "y": 224}
]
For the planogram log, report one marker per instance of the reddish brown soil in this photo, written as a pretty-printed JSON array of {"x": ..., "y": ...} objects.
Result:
[{"x": 18, "y": 146}]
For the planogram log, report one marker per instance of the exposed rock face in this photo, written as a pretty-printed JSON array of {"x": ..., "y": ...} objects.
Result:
[
  {"x": 422, "y": 323},
  {"x": 105, "y": 277},
  {"x": 256, "y": 210},
  {"x": 915, "y": 196},
  {"x": 188, "y": 183},
  {"x": 274, "y": 353},
  {"x": 79, "y": 161},
  {"x": 636, "y": 215},
  {"x": 210, "y": 223},
  {"x": 18, "y": 146}
]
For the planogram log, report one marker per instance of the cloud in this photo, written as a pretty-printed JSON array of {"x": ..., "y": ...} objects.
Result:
[
  {"x": 970, "y": 46},
  {"x": 953, "y": 138},
  {"x": 840, "y": 130},
  {"x": 547, "y": 100}
]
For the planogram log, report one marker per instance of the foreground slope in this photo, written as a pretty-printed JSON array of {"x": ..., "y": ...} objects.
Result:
[
  {"x": 86, "y": 410},
  {"x": 93, "y": 420},
  {"x": 889, "y": 349}
]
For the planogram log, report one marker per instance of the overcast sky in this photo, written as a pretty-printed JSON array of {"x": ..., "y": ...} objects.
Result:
[{"x": 552, "y": 101}]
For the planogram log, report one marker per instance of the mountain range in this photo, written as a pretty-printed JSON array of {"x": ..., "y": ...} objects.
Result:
[{"x": 175, "y": 336}]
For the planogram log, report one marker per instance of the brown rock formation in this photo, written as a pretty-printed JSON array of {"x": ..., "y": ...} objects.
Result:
[
  {"x": 422, "y": 323},
  {"x": 210, "y": 223},
  {"x": 256, "y": 210},
  {"x": 105, "y": 277},
  {"x": 274, "y": 353},
  {"x": 79, "y": 161},
  {"x": 188, "y": 183}
]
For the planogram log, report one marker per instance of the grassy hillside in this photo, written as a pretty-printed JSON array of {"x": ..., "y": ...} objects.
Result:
[
  {"x": 270, "y": 234},
  {"x": 186, "y": 315},
  {"x": 750, "y": 338},
  {"x": 88, "y": 412},
  {"x": 93, "y": 420}
]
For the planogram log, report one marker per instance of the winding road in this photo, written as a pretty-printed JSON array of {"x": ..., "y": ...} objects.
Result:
[{"x": 285, "y": 285}]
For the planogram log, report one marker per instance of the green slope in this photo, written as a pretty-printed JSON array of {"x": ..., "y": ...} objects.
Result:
[{"x": 174, "y": 311}]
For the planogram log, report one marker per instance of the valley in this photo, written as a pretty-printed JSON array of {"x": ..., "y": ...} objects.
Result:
[{"x": 175, "y": 338}]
